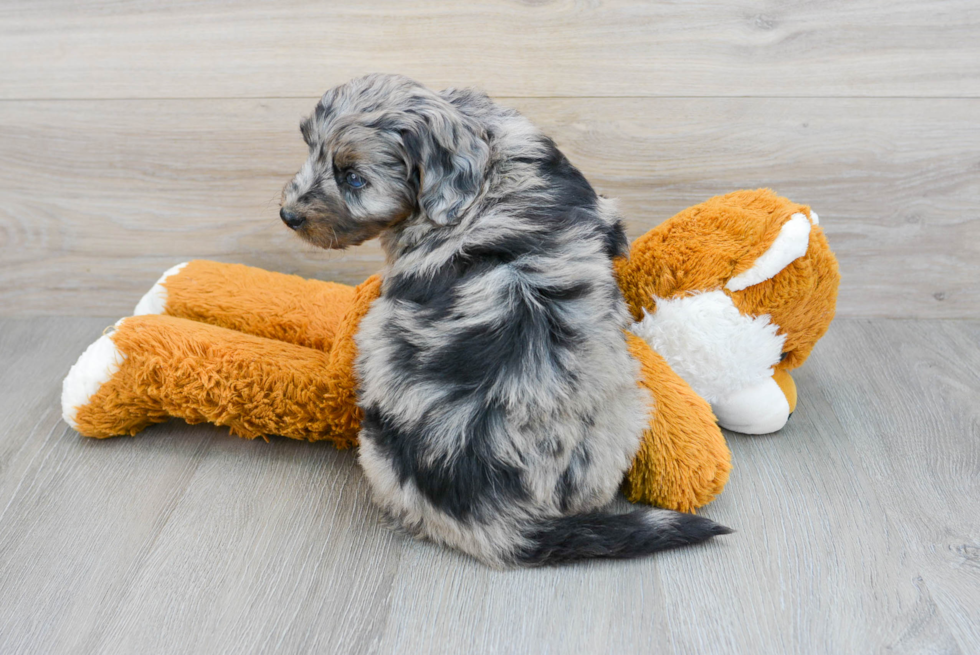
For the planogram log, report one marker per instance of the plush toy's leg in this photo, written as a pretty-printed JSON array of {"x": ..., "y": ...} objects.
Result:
[
  {"x": 154, "y": 367},
  {"x": 251, "y": 300},
  {"x": 683, "y": 462}
]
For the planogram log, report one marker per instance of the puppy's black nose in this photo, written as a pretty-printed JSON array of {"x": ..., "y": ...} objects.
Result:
[{"x": 293, "y": 220}]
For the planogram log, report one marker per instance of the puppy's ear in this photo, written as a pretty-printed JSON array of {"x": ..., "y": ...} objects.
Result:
[
  {"x": 306, "y": 129},
  {"x": 449, "y": 156}
]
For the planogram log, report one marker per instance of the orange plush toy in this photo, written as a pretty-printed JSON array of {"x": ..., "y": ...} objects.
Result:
[{"x": 727, "y": 296}]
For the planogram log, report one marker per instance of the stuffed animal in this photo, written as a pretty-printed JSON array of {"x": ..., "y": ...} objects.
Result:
[
  {"x": 734, "y": 293},
  {"x": 727, "y": 296}
]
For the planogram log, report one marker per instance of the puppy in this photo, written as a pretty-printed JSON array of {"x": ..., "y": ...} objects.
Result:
[{"x": 501, "y": 408}]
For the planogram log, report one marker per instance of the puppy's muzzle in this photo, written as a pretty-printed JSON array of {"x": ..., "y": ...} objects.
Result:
[{"x": 292, "y": 220}]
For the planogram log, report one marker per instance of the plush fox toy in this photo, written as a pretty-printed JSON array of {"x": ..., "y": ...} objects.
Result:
[{"x": 728, "y": 296}]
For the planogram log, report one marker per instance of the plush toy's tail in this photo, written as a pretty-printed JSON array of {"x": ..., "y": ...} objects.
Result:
[{"x": 614, "y": 536}]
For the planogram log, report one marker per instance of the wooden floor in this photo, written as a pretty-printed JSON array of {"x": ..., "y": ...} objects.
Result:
[
  {"x": 134, "y": 135},
  {"x": 856, "y": 531}
]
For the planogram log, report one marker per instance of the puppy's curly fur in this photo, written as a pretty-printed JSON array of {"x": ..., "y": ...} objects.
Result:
[{"x": 501, "y": 408}]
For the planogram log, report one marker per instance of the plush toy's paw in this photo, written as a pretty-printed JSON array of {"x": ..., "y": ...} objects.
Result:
[
  {"x": 96, "y": 366},
  {"x": 99, "y": 397},
  {"x": 759, "y": 408},
  {"x": 155, "y": 300},
  {"x": 678, "y": 469},
  {"x": 683, "y": 461}
]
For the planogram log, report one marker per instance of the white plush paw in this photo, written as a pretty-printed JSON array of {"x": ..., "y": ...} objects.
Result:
[
  {"x": 756, "y": 409},
  {"x": 96, "y": 366},
  {"x": 155, "y": 300}
]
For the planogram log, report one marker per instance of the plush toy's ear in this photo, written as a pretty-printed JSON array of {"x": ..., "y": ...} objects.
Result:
[{"x": 447, "y": 157}]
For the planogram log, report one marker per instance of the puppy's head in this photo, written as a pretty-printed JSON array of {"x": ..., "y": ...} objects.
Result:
[{"x": 383, "y": 150}]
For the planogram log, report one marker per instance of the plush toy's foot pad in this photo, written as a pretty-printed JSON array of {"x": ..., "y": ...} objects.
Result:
[
  {"x": 760, "y": 408},
  {"x": 683, "y": 462}
]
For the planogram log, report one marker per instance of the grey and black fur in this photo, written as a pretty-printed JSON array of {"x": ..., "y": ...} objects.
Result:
[{"x": 501, "y": 407}]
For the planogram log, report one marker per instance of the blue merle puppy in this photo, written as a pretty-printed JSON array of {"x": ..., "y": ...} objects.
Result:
[{"x": 501, "y": 407}]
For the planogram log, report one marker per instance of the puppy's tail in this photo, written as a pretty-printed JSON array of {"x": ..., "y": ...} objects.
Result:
[{"x": 613, "y": 536}]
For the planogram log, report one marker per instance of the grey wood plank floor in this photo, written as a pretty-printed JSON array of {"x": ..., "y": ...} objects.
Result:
[{"x": 856, "y": 530}]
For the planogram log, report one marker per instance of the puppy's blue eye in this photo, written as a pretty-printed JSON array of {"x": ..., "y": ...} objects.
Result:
[{"x": 355, "y": 180}]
